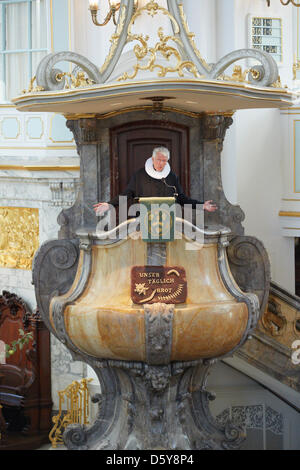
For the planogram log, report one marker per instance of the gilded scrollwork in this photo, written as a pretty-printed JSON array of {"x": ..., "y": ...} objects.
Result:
[
  {"x": 165, "y": 49},
  {"x": 238, "y": 75},
  {"x": 32, "y": 88},
  {"x": 152, "y": 9},
  {"x": 19, "y": 237},
  {"x": 80, "y": 80}
]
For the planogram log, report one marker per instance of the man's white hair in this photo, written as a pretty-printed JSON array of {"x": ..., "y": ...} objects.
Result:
[{"x": 162, "y": 150}]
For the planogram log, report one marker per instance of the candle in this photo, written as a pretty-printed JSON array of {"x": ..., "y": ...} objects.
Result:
[{"x": 94, "y": 4}]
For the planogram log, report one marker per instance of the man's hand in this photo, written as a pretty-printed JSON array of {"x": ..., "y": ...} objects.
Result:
[
  {"x": 209, "y": 206},
  {"x": 101, "y": 208}
]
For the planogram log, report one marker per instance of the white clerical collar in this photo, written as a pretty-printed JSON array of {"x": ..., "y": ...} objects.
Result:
[{"x": 158, "y": 175}]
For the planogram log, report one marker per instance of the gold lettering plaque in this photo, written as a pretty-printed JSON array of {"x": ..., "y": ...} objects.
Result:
[
  {"x": 19, "y": 236},
  {"x": 153, "y": 284}
]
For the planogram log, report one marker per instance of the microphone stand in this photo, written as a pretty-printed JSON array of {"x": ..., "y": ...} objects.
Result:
[{"x": 168, "y": 186}]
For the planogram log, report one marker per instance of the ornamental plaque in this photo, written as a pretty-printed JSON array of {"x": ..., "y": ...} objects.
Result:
[{"x": 158, "y": 284}]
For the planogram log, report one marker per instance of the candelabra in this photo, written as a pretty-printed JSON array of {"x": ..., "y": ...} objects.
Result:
[
  {"x": 113, "y": 8},
  {"x": 293, "y": 2}
]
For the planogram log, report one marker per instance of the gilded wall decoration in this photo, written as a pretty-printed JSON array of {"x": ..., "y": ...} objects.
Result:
[{"x": 19, "y": 236}]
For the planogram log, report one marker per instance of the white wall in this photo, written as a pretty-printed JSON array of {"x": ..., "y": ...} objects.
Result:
[
  {"x": 260, "y": 187},
  {"x": 89, "y": 40},
  {"x": 253, "y": 153},
  {"x": 201, "y": 17}
]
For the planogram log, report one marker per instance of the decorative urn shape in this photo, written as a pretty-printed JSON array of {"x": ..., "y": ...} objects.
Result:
[{"x": 199, "y": 312}]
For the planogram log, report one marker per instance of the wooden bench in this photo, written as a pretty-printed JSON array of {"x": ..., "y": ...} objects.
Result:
[{"x": 25, "y": 383}]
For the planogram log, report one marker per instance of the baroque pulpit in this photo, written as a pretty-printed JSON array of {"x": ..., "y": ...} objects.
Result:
[{"x": 152, "y": 316}]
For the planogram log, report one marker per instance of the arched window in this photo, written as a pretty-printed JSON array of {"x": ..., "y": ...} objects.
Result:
[{"x": 23, "y": 43}]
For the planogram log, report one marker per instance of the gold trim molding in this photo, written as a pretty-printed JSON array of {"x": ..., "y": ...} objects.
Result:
[
  {"x": 11, "y": 118},
  {"x": 30, "y": 118},
  {"x": 52, "y": 147},
  {"x": 140, "y": 92},
  {"x": 40, "y": 167},
  {"x": 289, "y": 214},
  {"x": 76, "y": 117},
  {"x": 163, "y": 81}
]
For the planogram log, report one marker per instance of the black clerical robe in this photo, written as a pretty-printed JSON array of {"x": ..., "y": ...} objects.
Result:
[{"x": 143, "y": 185}]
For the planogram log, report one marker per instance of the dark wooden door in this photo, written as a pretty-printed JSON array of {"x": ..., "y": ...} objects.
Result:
[{"x": 132, "y": 144}]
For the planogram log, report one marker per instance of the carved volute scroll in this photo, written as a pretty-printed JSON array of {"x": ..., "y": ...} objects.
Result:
[
  {"x": 48, "y": 77},
  {"x": 250, "y": 266},
  {"x": 214, "y": 129},
  {"x": 54, "y": 270},
  {"x": 264, "y": 75}
]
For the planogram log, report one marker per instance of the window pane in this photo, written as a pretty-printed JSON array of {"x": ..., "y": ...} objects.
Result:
[
  {"x": 39, "y": 31},
  {"x": 269, "y": 37},
  {"x": 1, "y": 26},
  {"x": 36, "y": 58},
  {"x": 2, "y": 83},
  {"x": 23, "y": 27},
  {"x": 16, "y": 81},
  {"x": 17, "y": 26}
]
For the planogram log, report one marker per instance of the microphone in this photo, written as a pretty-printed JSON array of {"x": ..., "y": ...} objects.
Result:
[{"x": 173, "y": 187}]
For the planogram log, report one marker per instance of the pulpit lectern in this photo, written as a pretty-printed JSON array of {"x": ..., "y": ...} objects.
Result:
[{"x": 157, "y": 219}]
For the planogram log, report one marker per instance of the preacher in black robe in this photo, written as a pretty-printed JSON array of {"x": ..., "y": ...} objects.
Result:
[
  {"x": 155, "y": 180},
  {"x": 142, "y": 184}
]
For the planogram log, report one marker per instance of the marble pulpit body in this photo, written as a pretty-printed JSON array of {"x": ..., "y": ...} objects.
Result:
[{"x": 152, "y": 359}]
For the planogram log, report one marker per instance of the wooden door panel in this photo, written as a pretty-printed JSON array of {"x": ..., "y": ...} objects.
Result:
[{"x": 132, "y": 144}]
